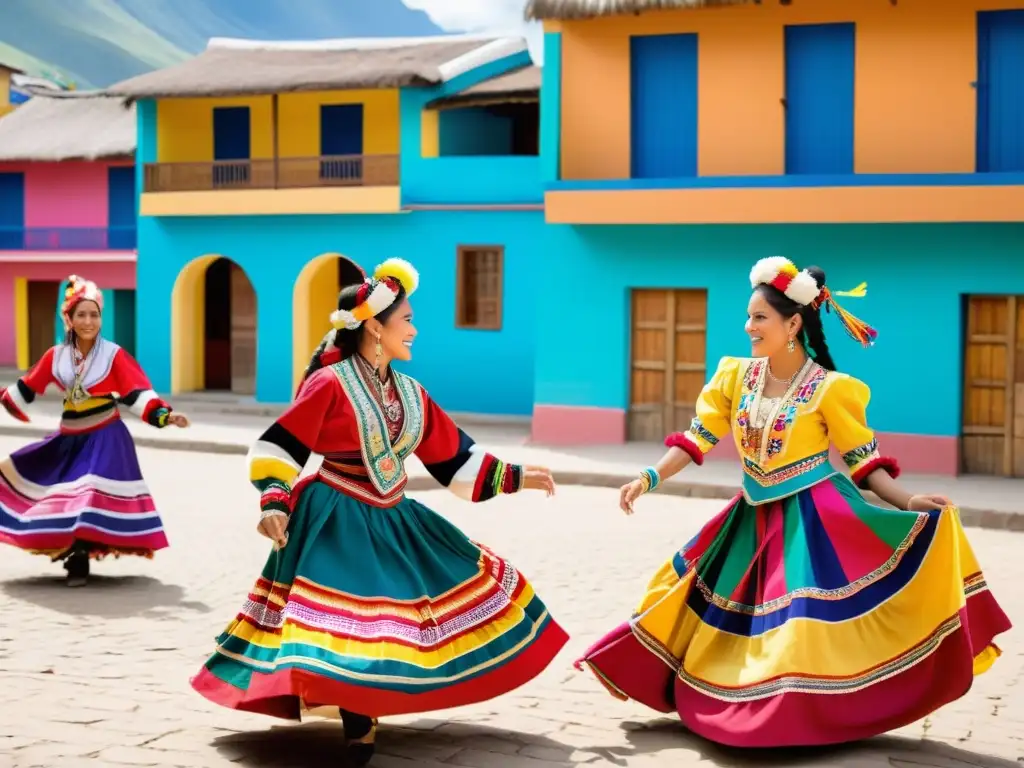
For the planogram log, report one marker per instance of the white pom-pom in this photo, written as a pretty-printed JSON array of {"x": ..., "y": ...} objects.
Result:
[
  {"x": 803, "y": 289},
  {"x": 343, "y": 319},
  {"x": 380, "y": 299},
  {"x": 767, "y": 269}
]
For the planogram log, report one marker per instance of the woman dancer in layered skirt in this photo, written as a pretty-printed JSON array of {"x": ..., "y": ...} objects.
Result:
[
  {"x": 801, "y": 614},
  {"x": 79, "y": 494},
  {"x": 371, "y": 603}
]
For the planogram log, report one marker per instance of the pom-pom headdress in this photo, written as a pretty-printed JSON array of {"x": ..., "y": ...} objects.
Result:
[
  {"x": 801, "y": 287},
  {"x": 79, "y": 290},
  {"x": 378, "y": 293}
]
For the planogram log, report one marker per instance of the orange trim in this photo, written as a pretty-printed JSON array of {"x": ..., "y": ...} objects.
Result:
[{"x": 793, "y": 205}]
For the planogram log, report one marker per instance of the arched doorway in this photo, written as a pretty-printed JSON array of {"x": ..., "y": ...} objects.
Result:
[
  {"x": 314, "y": 298},
  {"x": 213, "y": 318}
]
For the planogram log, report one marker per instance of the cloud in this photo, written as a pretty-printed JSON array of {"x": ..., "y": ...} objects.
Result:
[{"x": 502, "y": 17}]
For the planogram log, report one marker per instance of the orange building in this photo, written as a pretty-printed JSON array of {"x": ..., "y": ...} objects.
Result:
[{"x": 882, "y": 140}]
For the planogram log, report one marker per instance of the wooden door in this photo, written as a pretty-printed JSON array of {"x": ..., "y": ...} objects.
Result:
[
  {"x": 668, "y": 366},
  {"x": 243, "y": 333},
  {"x": 992, "y": 436},
  {"x": 42, "y": 317}
]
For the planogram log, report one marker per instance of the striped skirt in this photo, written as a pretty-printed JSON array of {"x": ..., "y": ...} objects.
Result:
[
  {"x": 85, "y": 488},
  {"x": 817, "y": 619},
  {"x": 379, "y": 611}
]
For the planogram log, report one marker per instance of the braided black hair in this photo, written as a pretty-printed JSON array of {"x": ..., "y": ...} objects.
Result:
[{"x": 813, "y": 331}]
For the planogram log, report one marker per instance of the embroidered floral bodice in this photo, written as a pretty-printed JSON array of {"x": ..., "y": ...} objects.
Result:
[{"x": 784, "y": 442}]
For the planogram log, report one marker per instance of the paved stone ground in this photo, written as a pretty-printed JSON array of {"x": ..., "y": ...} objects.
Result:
[{"x": 99, "y": 676}]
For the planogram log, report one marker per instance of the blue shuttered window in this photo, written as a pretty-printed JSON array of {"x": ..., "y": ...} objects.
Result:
[
  {"x": 1000, "y": 87},
  {"x": 820, "y": 73},
  {"x": 663, "y": 106}
]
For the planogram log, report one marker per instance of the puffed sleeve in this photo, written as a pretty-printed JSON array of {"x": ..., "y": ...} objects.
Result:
[
  {"x": 844, "y": 407},
  {"x": 280, "y": 453},
  {"x": 455, "y": 460},
  {"x": 714, "y": 413},
  {"x": 18, "y": 398},
  {"x": 136, "y": 391}
]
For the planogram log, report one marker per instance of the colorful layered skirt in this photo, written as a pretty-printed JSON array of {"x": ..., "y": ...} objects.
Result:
[
  {"x": 79, "y": 489},
  {"x": 378, "y": 611},
  {"x": 813, "y": 620}
]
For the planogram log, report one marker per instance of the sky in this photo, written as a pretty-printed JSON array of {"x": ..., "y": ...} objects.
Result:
[{"x": 491, "y": 16}]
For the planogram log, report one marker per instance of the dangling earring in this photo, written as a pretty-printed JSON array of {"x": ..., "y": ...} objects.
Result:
[
  {"x": 791, "y": 346},
  {"x": 379, "y": 351}
]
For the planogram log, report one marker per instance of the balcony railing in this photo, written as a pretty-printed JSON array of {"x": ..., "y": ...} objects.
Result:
[
  {"x": 280, "y": 173},
  {"x": 68, "y": 238}
]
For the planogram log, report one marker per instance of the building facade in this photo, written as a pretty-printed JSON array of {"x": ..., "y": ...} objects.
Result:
[
  {"x": 271, "y": 174},
  {"x": 883, "y": 142},
  {"x": 67, "y": 205}
]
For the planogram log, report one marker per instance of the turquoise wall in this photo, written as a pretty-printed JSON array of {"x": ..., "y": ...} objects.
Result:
[
  {"x": 457, "y": 366},
  {"x": 475, "y": 180},
  {"x": 472, "y": 131},
  {"x": 916, "y": 277}
]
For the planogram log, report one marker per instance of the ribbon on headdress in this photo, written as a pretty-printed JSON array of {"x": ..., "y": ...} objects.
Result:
[
  {"x": 79, "y": 289},
  {"x": 856, "y": 328}
]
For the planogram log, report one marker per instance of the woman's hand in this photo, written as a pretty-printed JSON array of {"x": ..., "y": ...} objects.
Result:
[
  {"x": 538, "y": 479},
  {"x": 178, "y": 420},
  {"x": 275, "y": 527},
  {"x": 629, "y": 493},
  {"x": 927, "y": 502}
]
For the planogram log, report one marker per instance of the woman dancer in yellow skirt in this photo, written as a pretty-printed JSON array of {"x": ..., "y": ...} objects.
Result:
[{"x": 801, "y": 614}]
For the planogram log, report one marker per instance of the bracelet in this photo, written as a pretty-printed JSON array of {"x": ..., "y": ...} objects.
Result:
[
  {"x": 270, "y": 513},
  {"x": 650, "y": 479}
]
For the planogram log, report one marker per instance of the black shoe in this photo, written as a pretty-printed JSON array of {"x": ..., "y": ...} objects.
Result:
[
  {"x": 360, "y": 737},
  {"x": 77, "y": 566}
]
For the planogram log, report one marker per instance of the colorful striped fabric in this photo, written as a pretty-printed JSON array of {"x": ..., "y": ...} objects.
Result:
[
  {"x": 381, "y": 611},
  {"x": 86, "y": 487},
  {"x": 815, "y": 619}
]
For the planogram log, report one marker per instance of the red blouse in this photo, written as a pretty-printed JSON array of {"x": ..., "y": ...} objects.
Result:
[{"x": 340, "y": 414}]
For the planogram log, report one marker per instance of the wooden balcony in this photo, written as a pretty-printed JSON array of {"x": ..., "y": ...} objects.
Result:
[{"x": 279, "y": 173}]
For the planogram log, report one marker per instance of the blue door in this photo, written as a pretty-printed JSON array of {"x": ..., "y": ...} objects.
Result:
[
  {"x": 121, "y": 207},
  {"x": 1000, "y": 91},
  {"x": 663, "y": 106},
  {"x": 232, "y": 138},
  {"x": 12, "y": 211},
  {"x": 341, "y": 136},
  {"x": 820, "y": 73}
]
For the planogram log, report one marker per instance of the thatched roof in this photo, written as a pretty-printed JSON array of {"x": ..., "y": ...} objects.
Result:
[
  {"x": 243, "y": 67},
  {"x": 67, "y": 125},
  {"x": 592, "y": 9},
  {"x": 520, "y": 85}
]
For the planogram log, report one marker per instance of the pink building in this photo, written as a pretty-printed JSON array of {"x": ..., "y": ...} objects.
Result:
[{"x": 67, "y": 205}]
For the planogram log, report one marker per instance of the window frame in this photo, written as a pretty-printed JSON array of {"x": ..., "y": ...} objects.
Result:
[{"x": 462, "y": 254}]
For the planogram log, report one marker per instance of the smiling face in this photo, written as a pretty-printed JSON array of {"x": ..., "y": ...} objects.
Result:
[
  {"x": 86, "y": 320},
  {"x": 768, "y": 330},
  {"x": 397, "y": 332}
]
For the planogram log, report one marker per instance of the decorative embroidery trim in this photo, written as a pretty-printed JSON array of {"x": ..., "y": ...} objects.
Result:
[
  {"x": 782, "y": 474},
  {"x": 384, "y": 463},
  {"x": 698, "y": 429},
  {"x": 839, "y": 593},
  {"x": 861, "y": 453},
  {"x": 799, "y": 684},
  {"x": 277, "y": 497}
]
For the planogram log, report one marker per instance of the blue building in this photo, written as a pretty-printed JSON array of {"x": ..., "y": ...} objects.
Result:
[
  {"x": 882, "y": 142},
  {"x": 271, "y": 174}
]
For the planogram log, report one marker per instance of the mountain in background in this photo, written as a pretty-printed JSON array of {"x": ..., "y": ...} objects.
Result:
[{"x": 99, "y": 42}]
